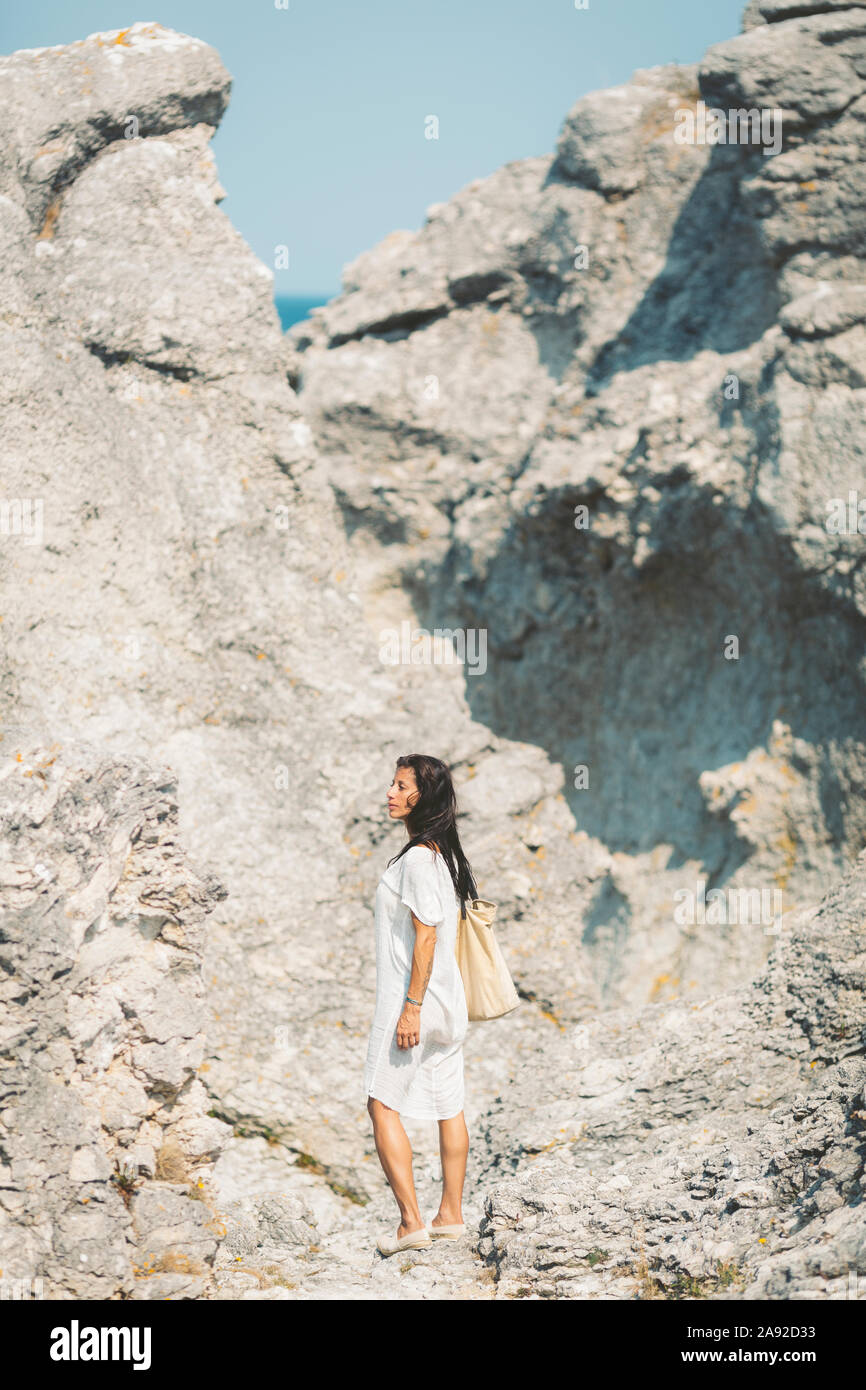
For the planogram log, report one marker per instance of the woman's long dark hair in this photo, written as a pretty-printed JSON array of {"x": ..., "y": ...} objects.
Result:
[{"x": 433, "y": 819}]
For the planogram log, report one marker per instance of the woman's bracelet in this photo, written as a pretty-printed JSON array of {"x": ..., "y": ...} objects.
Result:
[{"x": 416, "y": 1002}]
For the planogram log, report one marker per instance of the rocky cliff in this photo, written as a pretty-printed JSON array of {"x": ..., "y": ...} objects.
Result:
[{"x": 597, "y": 407}]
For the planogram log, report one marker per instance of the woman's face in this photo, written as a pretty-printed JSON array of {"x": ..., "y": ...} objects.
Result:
[{"x": 402, "y": 793}]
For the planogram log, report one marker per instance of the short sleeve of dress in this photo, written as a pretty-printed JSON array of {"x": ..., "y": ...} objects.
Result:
[{"x": 419, "y": 886}]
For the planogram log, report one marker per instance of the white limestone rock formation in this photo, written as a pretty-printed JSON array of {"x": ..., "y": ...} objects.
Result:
[
  {"x": 177, "y": 587},
  {"x": 207, "y": 527},
  {"x": 606, "y": 404}
]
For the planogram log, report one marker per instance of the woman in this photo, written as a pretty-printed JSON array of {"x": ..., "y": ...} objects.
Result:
[{"x": 414, "y": 1061}]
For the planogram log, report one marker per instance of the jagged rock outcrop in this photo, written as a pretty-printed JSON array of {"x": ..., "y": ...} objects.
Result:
[
  {"x": 670, "y": 336},
  {"x": 106, "y": 1143},
  {"x": 207, "y": 530}
]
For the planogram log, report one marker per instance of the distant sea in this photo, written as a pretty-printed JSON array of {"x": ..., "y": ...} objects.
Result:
[{"x": 292, "y": 309}]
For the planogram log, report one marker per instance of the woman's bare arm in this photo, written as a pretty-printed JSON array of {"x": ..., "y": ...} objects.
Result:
[{"x": 409, "y": 1025}]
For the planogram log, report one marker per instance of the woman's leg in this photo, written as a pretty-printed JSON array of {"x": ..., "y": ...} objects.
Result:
[
  {"x": 453, "y": 1150},
  {"x": 395, "y": 1156}
]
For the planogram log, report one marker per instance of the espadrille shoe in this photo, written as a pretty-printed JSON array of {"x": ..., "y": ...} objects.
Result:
[
  {"x": 447, "y": 1232},
  {"x": 413, "y": 1241}
]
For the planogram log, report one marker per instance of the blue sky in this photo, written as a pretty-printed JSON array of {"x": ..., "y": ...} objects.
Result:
[{"x": 322, "y": 148}]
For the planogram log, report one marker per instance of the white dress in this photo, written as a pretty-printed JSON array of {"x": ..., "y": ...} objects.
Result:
[{"x": 424, "y": 1082}]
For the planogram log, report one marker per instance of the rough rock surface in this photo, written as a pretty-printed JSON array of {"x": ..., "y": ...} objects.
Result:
[
  {"x": 710, "y": 1150},
  {"x": 229, "y": 519},
  {"x": 707, "y": 1150},
  {"x": 106, "y": 1144}
]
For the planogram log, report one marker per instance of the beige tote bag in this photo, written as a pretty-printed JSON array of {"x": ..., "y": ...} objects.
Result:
[{"x": 487, "y": 983}]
